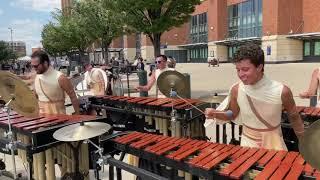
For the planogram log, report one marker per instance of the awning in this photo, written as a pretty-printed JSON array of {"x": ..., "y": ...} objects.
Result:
[
  {"x": 193, "y": 45},
  {"x": 238, "y": 41},
  {"x": 305, "y": 36}
]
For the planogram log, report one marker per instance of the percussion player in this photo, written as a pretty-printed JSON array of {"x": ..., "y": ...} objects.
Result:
[
  {"x": 313, "y": 86},
  {"x": 51, "y": 85},
  {"x": 161, "y": 62},
  {"x": 95, "y": 79},
  {"x": 256, "y": 103}
]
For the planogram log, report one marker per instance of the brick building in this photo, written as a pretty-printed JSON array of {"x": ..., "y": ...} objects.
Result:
[
  {"x": 19, "y": 47},
  {"x": 286, "y": 30}
]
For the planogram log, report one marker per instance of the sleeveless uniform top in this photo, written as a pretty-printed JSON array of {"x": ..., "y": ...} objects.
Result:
[{"x": 50, "y": 94}]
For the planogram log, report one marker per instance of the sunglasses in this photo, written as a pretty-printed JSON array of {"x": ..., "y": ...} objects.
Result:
[
  {"x": 158, "y": 62},
  {"x": 35, "y": 66}
]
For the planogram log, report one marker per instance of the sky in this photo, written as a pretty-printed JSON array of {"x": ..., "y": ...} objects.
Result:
[{"x": 26, "y": 18}]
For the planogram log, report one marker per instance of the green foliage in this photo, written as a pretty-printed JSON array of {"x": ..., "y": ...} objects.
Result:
[
  {"x": 6, "y": 52},
  {"x": 66, "y": 35},
  {"x": 153, "y": 17},
  {"x": 99, "y": 21},
  {"x": 88, "y": 22}
]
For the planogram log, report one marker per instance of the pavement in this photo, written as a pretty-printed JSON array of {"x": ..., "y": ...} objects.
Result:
[{"x": 207, "y": 80}]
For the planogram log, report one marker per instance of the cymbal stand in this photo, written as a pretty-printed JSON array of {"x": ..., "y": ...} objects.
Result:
[
  {"x": 12, "y": 144},
  {"x": 82, "y": 87},
  {"x": 173, "y": 115},
  {"x": 101, "y": 160},
  {"x": 108, "y": 159}
]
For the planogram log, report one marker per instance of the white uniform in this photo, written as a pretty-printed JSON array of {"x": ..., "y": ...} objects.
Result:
[{"x": 263, "y": 132}]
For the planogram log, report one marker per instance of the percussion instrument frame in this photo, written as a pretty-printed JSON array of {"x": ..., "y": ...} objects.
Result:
[{"x": 41, "y": 139}]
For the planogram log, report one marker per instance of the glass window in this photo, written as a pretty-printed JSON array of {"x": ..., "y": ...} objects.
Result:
[
  {"x": 199, "y": 28},
  {"x": 245, "y": 16},
  {"x": 317, "y": 48},
  {"x": 306, "y": 49}
]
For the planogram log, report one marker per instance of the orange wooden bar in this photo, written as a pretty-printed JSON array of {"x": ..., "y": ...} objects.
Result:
[{"x": 208, "y": 156}]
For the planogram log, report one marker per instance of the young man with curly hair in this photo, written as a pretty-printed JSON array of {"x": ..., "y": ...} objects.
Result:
[{"x": 257, "y": 102}]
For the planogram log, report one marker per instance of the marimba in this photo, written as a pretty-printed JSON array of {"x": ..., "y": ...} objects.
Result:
[
  {"x": 308, "y": 114},
  {"x": 157, "y": 113},
  {"x": 35, "y": 141},
  {"x": 216, "y": 161}
]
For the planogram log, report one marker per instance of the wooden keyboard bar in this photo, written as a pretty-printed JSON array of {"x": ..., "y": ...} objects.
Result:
[{"x": 208, "y": 156}]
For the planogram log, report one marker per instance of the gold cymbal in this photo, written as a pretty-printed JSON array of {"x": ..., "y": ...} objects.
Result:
[
  {"x": 25, "y": 102},
  {"x": 174, "y": 80},
  {"x": 309, "y": 145},
  {"x": 77, "y": 79},
  {"x": 212, "y": 98},
  {"x": 78, "y": 132}
]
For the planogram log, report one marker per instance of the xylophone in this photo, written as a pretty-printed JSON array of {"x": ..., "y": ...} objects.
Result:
[
  {"x": 36, "y": 145},
  {"x": 157, "y": 113},
  {"x": 216, "y": 161}
]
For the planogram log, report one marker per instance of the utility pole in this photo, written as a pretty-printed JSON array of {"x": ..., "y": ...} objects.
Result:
[{"x": 11, "y": 30}]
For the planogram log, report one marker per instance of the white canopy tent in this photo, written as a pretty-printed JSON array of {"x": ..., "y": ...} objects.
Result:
[{"x": 25, "y": 58}]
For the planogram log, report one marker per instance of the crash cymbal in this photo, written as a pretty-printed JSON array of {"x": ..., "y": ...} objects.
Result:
[
  {"x": 77, "y": 79},
  {"x": 309, "y": 145},
  {"x": 25, "y": 102},
  {"x": 79, "y": 131},
  {"x": 212, "y": 98},
  {"x": 168, "y": 80}
]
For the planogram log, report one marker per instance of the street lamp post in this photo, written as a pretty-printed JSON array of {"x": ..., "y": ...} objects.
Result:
[{"x": 11, "y": 30}]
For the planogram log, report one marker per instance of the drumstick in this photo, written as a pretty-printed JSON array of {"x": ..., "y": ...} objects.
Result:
[{"x": 229, "y": 113}]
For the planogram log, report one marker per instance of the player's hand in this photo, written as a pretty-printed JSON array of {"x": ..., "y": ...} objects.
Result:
[
  {"x": 304, "y": 95},
  {"x": 210, "y": 113},
  {"x": 139, "y": 88}
]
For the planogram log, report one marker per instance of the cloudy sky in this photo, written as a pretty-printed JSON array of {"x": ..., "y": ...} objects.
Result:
[{"x": 26, "y": 17}]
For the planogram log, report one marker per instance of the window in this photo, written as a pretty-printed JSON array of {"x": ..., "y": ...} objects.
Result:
[
  {"x": 199, "y": 28},
  {"x": 231, "y": 51},
  {"x": 317, "y": 48},
  {"x": 245, "y": 19},
  {"x": 306, "y": 49},
  {"x": 199, "y": 54}
]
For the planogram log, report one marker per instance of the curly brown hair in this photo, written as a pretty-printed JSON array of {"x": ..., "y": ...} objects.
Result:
[{"x": 250, "y": 51}]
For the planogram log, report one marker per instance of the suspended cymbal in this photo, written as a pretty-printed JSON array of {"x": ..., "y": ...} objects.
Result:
[
  {"x": 168, "y": 80},
  {"x": 78, "y": 132},
  {"x": 309, "y": 145},
  {"x": 25, "y": 102},
  {"x": 77, "y": 79},
  {"x": 212, "y": 98}
]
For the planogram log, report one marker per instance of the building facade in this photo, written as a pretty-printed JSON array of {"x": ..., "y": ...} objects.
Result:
[
  {"x": 286, "y": 32},
  {"x": 19, "y": 47}
]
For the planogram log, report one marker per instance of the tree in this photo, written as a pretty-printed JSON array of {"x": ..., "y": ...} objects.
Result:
[
  {"x": 153, "y": 17},
  {"x": 99, "y": 22},
  {"x": 51, "y": 40},
  {"x": 6, "y": 52},
  {"x": 66, "y": 35}
]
